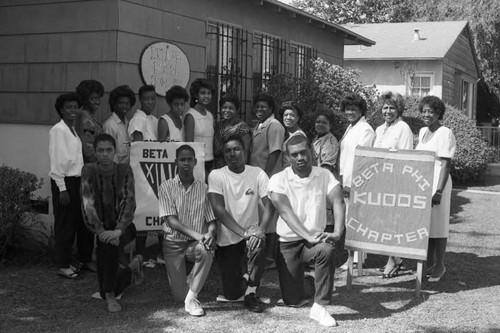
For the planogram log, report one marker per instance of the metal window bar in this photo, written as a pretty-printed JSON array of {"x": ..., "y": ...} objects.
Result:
[
  {"x": 269, "y": 59},
  {"x": 228, "y": 63},
  {"x": 301, "y": 56}
]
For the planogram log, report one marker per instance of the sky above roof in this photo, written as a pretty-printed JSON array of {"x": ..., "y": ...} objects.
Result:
[{"x": 396, "y": 40}]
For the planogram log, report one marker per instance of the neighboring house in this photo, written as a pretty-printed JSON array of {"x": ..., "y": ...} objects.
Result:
[
  {"x": 419, "y": 58},
  {"x": 48, "y": 47}
]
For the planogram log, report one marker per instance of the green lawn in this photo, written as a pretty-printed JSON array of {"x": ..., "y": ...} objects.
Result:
[{"x": 34, "y": 299}]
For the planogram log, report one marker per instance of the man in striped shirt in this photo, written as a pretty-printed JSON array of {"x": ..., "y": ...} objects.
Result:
[{"x": 189, "y": 228}]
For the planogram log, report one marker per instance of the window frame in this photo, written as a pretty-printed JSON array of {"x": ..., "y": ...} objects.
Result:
[{"x": 410, "y": 87}]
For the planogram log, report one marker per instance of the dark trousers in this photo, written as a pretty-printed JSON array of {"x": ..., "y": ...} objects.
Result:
[
  {"x": 292, "y": 257},
  {"x": 113, "y": 276},
  {"x": 68, "y": 222},
  {"x": 234, "y": 260}
]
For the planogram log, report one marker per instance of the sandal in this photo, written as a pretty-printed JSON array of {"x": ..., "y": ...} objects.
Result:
[
  {"x": 68, "y": 273},
  {"x": 394, "y": 271}
]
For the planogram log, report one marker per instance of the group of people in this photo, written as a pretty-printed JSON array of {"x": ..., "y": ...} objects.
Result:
[{"x": 271, "y": 196}]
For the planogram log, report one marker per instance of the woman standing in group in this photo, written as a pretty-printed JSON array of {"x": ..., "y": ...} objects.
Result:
[
  {"x": 358, "y": 133},
  {"x": 439, "y": 139},
  {"x": 393, "y": 134},
  {"x": 290, "y": 115},
  {"x": 326, "y": 146},
  {"x": 229, "y": 125},
  {"x": 87, "y": 126},
  {"x": 170, "y": 127},
  {"x": 66, "y": 162},
  {"x": 121, "y": 101},
  {"x": 199, "y": 122}
]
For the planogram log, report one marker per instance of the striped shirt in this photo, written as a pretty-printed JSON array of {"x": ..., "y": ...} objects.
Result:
[{"x": 191, "y": 207}]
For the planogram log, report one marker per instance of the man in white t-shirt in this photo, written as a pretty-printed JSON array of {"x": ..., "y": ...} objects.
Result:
[
  {"x": 300, "y": 193},
  {"x": 144, "y": 126},
  {"x": 234, "y": 192}
]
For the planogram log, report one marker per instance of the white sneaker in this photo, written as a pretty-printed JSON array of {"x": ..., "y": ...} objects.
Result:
[
  {"x": 223, "y": 299},
  {"x": 193, "y": 307},
  {"x": 320, "y": 314}
]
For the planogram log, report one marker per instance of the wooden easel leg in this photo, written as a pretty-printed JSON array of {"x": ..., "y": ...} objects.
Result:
[
  {"x": 360, "y": 263},
  {"x": 349, "y": 269},
  {"x": 420, "y": 271}
]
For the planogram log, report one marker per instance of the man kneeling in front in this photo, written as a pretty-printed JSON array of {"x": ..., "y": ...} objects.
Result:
[{"x": 300, "y": 193}]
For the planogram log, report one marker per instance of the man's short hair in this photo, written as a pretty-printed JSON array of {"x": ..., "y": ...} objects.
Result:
[
  {"x": 297, "y": 139},
  {"x": 234, "y": 138},
  {"x": 184, "y": 148},
  {"x": 104, "y": 137}
]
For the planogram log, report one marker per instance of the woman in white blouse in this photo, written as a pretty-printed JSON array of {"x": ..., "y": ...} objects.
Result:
[
  {"x": 198, "y": 121},
  {"x": 393, "y": 134},
  {"x": 66, "y": 162},
  {"x": 358, "y": 133},
  {"x": 439, "y": 139}
]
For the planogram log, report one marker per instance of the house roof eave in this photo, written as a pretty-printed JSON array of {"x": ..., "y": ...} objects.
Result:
[{"x": 350, "y": 37}]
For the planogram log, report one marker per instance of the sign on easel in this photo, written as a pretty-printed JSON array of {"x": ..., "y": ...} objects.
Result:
[
  {"x": 152, "y": 164},
  {"x": 390, "y": 205},
  {"x": 390, "y": 202}
]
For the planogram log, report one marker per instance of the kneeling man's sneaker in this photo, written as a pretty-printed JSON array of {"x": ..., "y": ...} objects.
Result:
[
  {"x": 320, "y": 314},
  {"x": 193, "y": 307}
]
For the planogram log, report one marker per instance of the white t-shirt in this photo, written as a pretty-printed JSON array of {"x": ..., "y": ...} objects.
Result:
[
  {"x": 147, "y": 125},
  {"x": 241, "y": 192},
  {"x": 307, "y": 197}
]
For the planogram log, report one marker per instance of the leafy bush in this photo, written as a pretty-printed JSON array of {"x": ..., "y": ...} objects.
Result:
[
  {"x": 16, "y": 191},
  {"x": 472, "y": 154},
  {"x": 322, "y": 88}
]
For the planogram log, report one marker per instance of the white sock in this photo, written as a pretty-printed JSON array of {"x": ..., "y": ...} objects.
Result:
[
  {"x": 250, "y": 290},
  {"x": 190, "y": 295}
]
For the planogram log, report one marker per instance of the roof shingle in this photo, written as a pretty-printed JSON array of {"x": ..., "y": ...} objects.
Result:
[{"x": 396, "y": 40}]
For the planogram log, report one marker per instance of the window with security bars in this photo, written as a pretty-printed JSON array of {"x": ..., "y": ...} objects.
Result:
[
  {"x": 243, "y": 63},
  {"x": 421, "y": 85},
  {"x": 229, "y": 62},
  {"x": 269, "y": 59},
  {"x": 300, "y": 57}
]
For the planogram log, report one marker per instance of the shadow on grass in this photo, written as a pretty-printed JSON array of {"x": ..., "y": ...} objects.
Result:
[
  {"x": 372, "y": 297},
  {"x": 457, "y": 206}
]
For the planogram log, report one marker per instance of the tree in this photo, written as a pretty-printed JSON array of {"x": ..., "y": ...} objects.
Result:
[
  {"x": 483, "y": 17},
  {"x": 358, "y": 11}
]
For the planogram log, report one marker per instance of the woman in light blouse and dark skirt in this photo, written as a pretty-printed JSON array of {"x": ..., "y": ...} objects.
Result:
[
  {"x": 66, "y": 162},
  {"x": 439, "y": 139}
]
